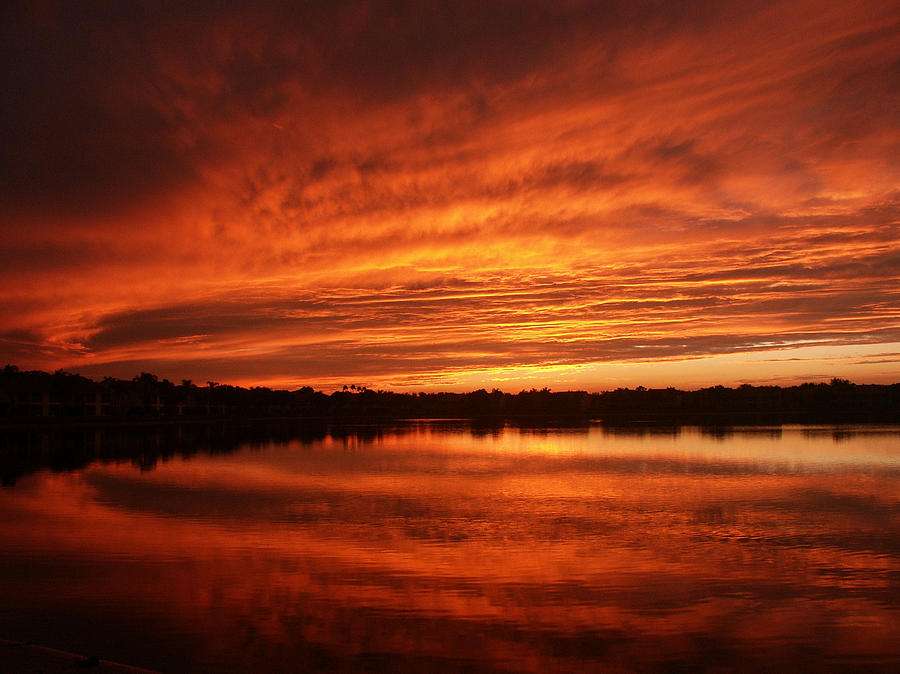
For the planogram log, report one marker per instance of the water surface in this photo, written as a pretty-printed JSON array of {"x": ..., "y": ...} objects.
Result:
[{"x": 439, "y": 546}]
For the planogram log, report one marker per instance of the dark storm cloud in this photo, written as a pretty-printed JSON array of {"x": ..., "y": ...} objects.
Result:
[
  {"x": 79, "y": 123},
  {"x": 44, "y": 256},
  {"x": 108, "y": 103}
]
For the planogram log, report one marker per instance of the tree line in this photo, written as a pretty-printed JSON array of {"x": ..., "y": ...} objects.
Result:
[{"x": 35, "y": 395}]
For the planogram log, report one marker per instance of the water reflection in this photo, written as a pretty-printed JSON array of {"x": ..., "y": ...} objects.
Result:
[{"x": 439, "y": 546}]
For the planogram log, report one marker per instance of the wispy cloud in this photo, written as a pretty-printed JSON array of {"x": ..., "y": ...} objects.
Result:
[{"x": 283, "y": 193}]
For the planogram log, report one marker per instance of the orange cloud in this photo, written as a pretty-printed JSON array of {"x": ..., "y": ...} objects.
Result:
[{"x": 283, "y": 195}]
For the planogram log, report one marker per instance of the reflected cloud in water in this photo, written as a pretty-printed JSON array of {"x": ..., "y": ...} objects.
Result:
[{"x": 442, "y": 546}]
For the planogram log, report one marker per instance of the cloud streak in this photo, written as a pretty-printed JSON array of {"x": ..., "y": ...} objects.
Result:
[{"x": 415, "y": 193}]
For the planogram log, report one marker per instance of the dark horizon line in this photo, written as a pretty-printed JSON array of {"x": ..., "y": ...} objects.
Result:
[
  {"x": 37, "y": 395},
  {"x": 149, "y": 377}
]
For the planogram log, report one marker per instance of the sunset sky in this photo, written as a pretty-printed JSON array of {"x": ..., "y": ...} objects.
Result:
[{"x": 452, "y": 195}]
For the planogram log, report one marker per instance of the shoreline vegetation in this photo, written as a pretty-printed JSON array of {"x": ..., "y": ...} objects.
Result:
[{"x": 35, "y": 397}]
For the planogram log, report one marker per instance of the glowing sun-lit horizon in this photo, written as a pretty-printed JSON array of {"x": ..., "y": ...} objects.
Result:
[{"x": 450, "y": 196}]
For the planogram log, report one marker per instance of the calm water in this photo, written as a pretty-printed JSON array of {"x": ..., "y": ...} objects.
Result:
[{"x": 442, "y": 547}]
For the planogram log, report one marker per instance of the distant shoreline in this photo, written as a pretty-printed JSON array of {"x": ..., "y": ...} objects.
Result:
[{"x": 35, "y": 397}]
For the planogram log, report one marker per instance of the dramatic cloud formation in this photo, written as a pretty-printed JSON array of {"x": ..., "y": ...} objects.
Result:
[{"x": 452, "y": 195}]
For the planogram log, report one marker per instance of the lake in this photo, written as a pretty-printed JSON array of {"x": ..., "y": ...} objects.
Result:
[{"x": 448, "y": 546}]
